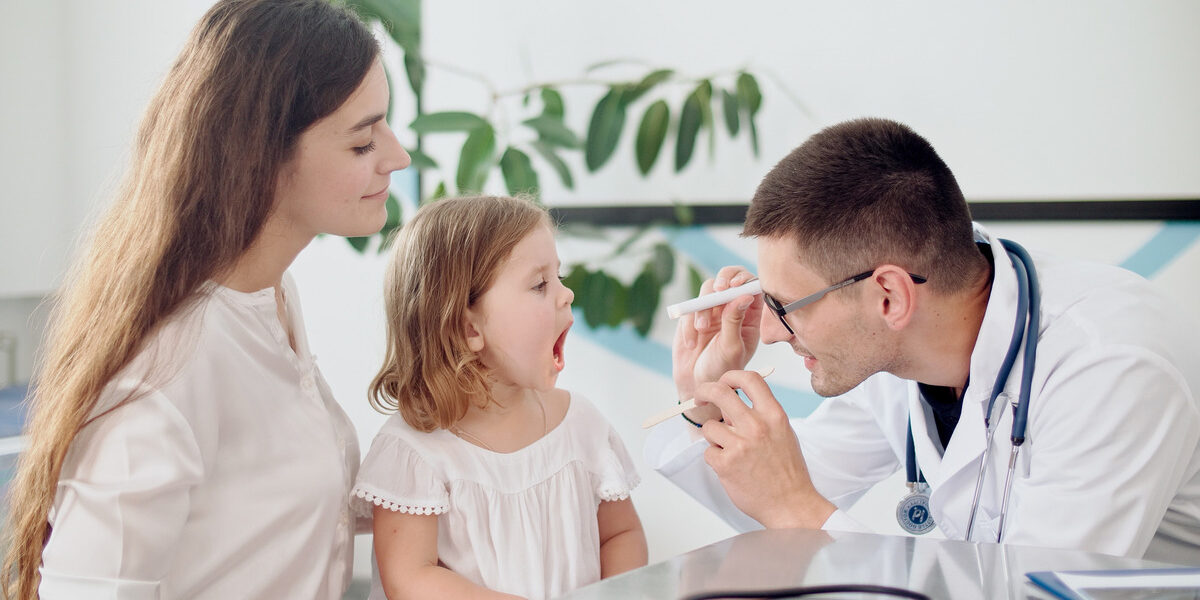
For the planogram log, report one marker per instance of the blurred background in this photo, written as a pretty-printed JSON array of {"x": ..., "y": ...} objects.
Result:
[{"x": 1071, "y": 126}]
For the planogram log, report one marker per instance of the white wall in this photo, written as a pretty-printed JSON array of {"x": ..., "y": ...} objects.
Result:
[{"x": 1023, "y": 100}]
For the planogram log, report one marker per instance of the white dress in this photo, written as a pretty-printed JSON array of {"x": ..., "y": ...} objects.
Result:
[
  {"x": 230, "y": 479},
  {"x": 523, "y": 522}
]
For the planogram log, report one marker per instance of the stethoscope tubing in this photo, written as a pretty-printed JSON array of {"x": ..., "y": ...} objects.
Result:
[{"x": 1025, "y": 332}]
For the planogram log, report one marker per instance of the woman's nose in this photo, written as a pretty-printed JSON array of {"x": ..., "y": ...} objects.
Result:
[{"x": 395, "y": 157}]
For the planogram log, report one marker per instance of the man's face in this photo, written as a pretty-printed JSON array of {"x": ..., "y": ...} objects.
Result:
[{"x": 840, "y": 336}]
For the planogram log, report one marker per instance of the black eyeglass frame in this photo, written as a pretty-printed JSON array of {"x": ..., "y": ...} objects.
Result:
[{"x": 781, "y": 311}]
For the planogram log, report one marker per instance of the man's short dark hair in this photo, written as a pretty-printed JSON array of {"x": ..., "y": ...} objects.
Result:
[{"x": 864, "y": 193}]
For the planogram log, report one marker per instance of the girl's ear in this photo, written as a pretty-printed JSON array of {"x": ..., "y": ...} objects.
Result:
[{"x": 474, "y": 336}]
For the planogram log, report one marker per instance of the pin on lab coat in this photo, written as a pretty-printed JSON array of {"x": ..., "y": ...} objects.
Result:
[{"x": 1111, "y": 461}]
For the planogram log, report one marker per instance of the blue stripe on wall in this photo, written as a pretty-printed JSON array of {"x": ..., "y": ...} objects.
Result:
[
  {"x": 1169, "y": 243},
  {"x": 703, "y": 249}
]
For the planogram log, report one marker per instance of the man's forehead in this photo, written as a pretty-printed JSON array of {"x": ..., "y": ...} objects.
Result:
[{"x": 781, "y": 265}]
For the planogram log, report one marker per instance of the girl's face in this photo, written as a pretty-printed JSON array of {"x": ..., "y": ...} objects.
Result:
[
  {"x": 520, "y": 324},
  {"x": 337, "y": 180}
]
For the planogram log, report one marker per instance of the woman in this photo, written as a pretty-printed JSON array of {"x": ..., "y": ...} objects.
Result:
[{"x": 183, "y": 442}]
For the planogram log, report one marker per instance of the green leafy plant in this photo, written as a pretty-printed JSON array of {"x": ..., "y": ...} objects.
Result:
[{"x": 491, "y": 146}]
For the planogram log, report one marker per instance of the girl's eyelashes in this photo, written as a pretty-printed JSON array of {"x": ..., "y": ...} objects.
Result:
[{"x": 360, "y": 150}]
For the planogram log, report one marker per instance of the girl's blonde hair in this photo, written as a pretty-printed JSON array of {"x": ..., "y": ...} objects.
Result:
[
  {"x": 253, "y": 76},
  {"x": 442, "y": 263}
]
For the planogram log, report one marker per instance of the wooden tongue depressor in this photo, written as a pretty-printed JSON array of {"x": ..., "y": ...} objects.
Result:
[{"x": 688, "y": 404}]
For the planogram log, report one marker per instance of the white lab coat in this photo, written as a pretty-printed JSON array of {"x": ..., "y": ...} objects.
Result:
[{"x": 1111, "y": 461}]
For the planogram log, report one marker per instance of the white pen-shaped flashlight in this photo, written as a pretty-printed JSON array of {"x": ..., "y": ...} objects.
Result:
[{"x": 700, "y": 303}]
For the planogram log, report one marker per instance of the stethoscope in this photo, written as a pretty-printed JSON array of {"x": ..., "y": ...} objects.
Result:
[{"x": 913, "y": 511}]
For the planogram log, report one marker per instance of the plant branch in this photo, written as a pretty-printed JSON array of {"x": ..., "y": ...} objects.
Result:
[{"x": 788, "y": 93}]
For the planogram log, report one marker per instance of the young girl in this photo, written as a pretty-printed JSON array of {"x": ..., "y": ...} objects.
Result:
[
  {"x": 183, "y": 443},
  {"x": 489, "y": 481}
]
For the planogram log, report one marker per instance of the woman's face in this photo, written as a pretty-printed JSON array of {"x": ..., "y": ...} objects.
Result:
[{"x": 337, "y": 180}]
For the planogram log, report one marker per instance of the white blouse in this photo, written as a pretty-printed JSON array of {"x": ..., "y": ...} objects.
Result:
[
  {"x": 522, "y": 522},
  {"x": 228, "y": 478}
]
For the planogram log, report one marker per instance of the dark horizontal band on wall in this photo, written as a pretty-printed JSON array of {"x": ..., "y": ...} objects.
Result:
[{"x": 734, "y": 214}]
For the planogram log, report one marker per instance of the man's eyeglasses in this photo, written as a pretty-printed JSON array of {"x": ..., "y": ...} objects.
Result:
[{"x": 782, "y": 310}]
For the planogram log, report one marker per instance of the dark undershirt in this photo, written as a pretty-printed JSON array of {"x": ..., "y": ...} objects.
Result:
[{"x": 947, "y": 408}]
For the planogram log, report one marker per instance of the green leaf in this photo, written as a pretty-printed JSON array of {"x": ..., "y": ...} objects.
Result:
[
  {"x": 552, "y": 103},
  {"x": 441, "y": 122},
  {"x": 608, "y": 63},
  {"x": 749, "y": 95},
  {"x": 695, "y": 279},
  {"x": 388, "y": 116},
  {"x": 730, "y": 105},
  {"x": 644, "y": 296},
  {"x": 651, "y": 134},
  {"x": 439, "y": 192},
  {"x": 753, "y": 134},
  {"x": 689, "y": 125},
  {"x": 401, "y": 19},
  {"x": 359, "y": 243},
  {"x": 420, "y": 160},
  {"x": 616, "y": 301},
  {"x": 647, "y": 82},
  {"x": 560, "y": 167},
  {"x": 605, "y": 129},
  {"x": 684, "y": 215},
  {"x": 393, "y": 223},
  {"x": 592, "y": 292},
  {"x": 574, "y": 280},
  {"x": 603, "y": 299},
  {"x": 662, "y": 264},
  {"x": 704, "y": 90},
  {"x": 476, "y": 160},
  {"x": 414, "y": 67},
  {"x": 552, "y": 130},
  {"x": 394, "y": 213},
  {"x": 518, "y": 173}
]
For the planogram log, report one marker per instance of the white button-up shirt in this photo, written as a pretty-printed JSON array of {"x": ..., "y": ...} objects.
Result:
[{"x": 228, "y": 477}]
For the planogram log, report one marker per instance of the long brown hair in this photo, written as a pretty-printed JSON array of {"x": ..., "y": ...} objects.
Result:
[
  {"x": 442, "y": 263},
  {"x": 253, "y": 76}
]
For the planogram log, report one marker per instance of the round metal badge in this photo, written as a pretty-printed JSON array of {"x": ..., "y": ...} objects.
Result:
[{"x": 913, "y": 513}]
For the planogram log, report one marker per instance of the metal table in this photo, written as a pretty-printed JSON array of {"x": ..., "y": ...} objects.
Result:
[{"x": 761, "y": 560}]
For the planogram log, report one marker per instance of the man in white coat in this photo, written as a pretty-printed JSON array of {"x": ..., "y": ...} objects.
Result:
[{"x": 904, "y": 311}]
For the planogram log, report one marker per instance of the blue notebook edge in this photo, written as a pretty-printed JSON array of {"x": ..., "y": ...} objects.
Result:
[{"x": 1049, "y": 581}]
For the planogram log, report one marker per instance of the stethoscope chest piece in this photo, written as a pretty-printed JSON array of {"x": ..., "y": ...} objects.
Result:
[{"x": 913, "y": 511}]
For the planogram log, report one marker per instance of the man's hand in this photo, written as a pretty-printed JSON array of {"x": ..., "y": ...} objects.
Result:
[
  {"x": 710, "y": 342},
  {"x": 757, "y": 457}
]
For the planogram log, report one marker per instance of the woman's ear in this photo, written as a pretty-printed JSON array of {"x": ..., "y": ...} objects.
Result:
[{"x": 474, "y": 335}]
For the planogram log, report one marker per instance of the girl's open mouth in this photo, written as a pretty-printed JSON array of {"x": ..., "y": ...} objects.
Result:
[{"x": 559, "y": 359}]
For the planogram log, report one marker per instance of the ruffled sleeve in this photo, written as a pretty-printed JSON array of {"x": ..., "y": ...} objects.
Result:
[
  {"x": 396, "y": 477},
  {"x": 615, "y": 475}
]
